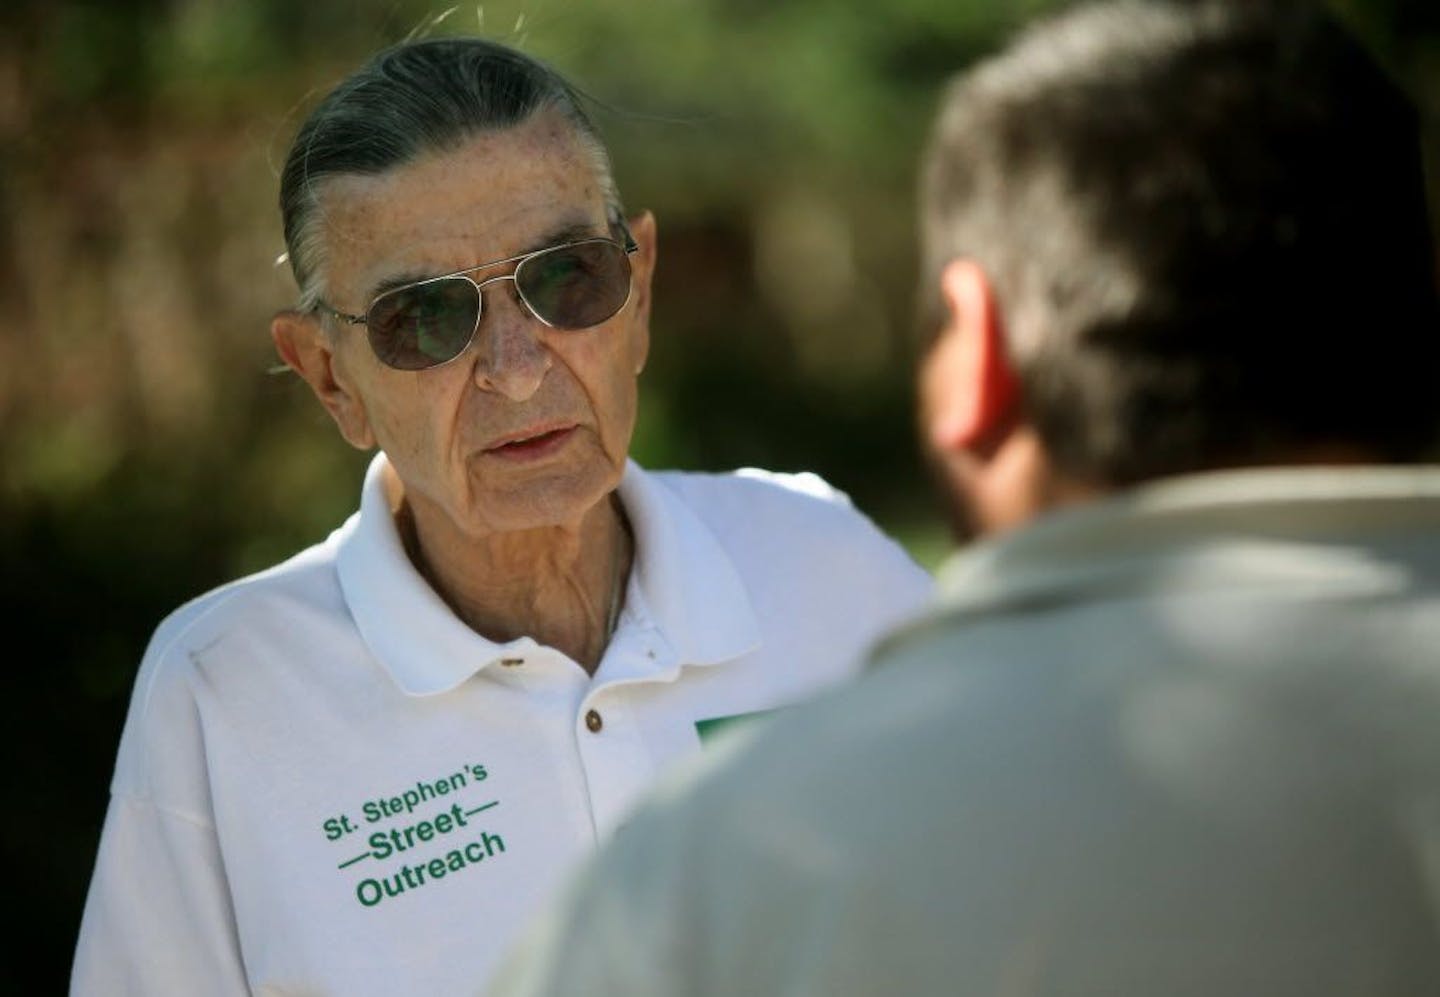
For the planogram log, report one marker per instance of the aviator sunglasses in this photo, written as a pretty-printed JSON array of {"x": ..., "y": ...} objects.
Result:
[{"x": 571, "y": 286}]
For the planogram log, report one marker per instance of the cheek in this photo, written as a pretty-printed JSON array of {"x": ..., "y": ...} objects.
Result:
[
  {"x": 622, "y": 419},
  {"x": 601, "y": 363},
  {"x": 408, "y": 417},
  {"x": 603, "y": 366},
  {"x": 623, "y": 387},
  {"x": 615, "y": 407},
  {"x": 630, "y": 347}
]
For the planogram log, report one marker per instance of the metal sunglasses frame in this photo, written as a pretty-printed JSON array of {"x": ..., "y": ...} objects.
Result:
[{"x": 628, "y": 247}]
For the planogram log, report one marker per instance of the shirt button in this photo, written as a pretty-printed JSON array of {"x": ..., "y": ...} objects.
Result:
[
  {"x": 594, "y": 721},
  {"x": 512, "y": 662}
]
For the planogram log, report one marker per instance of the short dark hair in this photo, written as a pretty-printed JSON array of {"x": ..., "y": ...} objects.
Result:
[
  {"x": 1206, "y": 226},
  {"x": 417, "y": 97}
]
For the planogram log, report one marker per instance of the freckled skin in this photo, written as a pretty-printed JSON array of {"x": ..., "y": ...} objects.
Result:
[{"x": 496, "y": 196}]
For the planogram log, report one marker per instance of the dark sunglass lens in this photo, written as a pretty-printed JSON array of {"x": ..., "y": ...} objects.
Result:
[
  {"x": 575, "y": 287},
  {"x": 418, "y": 327}
]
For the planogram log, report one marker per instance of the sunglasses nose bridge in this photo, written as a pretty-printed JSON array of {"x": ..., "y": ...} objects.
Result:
[
  {"x": 511, "y": 358},
  {"x": 518, "y": 295}
]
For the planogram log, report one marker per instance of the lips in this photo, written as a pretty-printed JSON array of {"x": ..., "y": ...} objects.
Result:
[{"x": 536, "y": 441}]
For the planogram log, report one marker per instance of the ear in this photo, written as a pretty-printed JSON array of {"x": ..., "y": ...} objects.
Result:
[
  {"x": 642, "y": 272},
  {"x": 969, "y": 387},
  {"x": 309, "y": 352}
]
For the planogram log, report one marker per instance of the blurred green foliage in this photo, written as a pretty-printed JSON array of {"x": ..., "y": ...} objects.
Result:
[{"x": 148, "y": 455}]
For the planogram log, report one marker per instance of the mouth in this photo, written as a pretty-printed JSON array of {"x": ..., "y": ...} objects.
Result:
[{"x": 531, "y": 443}]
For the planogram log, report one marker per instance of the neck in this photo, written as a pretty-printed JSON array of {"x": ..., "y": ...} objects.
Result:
[
  {"x": 561, "y": 585},
  {"x": 1009, "y": 486}
]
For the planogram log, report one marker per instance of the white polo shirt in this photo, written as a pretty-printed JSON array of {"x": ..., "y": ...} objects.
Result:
[{"x": 328, "y": 783}]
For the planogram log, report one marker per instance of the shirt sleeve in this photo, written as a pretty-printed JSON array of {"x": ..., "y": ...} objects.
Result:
[{"x": 158, "y": 918}]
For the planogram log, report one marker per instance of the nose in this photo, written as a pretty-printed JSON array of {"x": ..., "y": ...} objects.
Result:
[{"x": 512, "y": 359}]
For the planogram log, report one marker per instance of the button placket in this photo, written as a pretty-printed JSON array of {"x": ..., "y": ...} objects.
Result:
[{"x": 612, "y": 750}]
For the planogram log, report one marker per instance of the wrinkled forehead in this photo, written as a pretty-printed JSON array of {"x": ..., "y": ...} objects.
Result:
[{"x": 497, "y": 195}]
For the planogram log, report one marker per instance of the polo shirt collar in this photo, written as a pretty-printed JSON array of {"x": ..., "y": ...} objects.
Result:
[
  {"x": 1268, "y": 525},
  {"x": 683, "y": 587}
]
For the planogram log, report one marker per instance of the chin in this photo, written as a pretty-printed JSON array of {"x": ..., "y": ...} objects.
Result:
[{"x": 561, "y": 497}]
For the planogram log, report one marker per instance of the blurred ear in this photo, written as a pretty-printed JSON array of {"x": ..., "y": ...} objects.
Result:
[
  {"x": 309, "y": 352},
  {"x": 642, "y": 272},
  {"x": 969, "y": 388}
]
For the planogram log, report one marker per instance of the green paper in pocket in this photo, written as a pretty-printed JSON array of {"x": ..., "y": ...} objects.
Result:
[{"x": 707, "y": 729}]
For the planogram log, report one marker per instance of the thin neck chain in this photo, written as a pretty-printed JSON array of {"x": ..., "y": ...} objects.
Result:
[
  {"x": 617, "y": 578},
  {"x": 410, "y": 539}
]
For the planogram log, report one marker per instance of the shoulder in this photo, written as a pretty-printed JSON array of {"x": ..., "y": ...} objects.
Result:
[
  {"x": 737, "y": 493},
  {"x": 191, "y": 642},
  {"x": 870, "y": 768},
  {"x": 825, "y": 770},
  {"x": 307, "y": 579},
  {"x": 923, "y": 719},
  {"x": 781, "y": 510},
  {"x": 777, "y": 828},
  {"x": 815, "y": 566}
]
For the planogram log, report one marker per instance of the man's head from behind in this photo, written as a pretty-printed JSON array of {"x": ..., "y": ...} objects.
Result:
[{"x": 1170, "y": 237}]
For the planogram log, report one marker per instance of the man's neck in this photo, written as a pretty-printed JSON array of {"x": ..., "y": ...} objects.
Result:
[{"x": 561, "y": 585}]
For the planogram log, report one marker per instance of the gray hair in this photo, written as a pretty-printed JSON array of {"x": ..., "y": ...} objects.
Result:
[{"x": 415, "y": 98}]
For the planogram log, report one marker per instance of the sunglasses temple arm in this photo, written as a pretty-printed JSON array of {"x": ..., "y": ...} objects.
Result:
[{"x": 337, "y": 313}]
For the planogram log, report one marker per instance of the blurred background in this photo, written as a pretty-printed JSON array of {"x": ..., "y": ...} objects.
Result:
[{"x": 148, "y": 452}]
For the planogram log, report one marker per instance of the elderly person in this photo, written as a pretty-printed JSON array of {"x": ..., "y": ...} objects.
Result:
[{"x": 357, "y": 772}]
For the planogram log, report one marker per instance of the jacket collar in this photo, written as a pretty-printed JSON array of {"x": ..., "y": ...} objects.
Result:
[{"x": 1265, "y": 526}]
